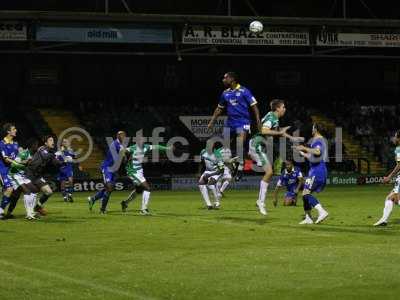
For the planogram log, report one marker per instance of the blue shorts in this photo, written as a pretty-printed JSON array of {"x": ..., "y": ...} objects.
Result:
[
  {"x": 291, "y": 195},
  {"x": 108, "y": 177},
  {"x": 234, "y": 128},
  {"x": 5, "y": 180},
  {"x": 315, "y": 184},
  {"x": 65, "y": 175}
]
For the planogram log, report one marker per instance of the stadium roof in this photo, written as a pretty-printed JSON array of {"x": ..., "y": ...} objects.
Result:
[
  {"x": 282, "y": 8},
  {"x": 196, "y": 19}
]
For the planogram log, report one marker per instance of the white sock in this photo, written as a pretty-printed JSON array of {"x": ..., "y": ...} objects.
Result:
[
  {"x": 1, "y": 211},
  {"x": 308, "y": 216},
  {"x": 145, "y": 199},
  {"x": 224, "y": 186},
  {"x": 319, "y": 208},
  {"x": 219, "y": 185},
  {"x": 204, "y": 193},
  {"x": 387, "y": 210},
  {"x": 263, "y": 192},
  {"x": 27, "y": 204},
  {"x": 214, "y": 192},
  {"x": 33, "y": 202}
]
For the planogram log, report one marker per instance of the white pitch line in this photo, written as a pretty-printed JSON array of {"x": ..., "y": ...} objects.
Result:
[
  {"x": 80, "y": 282},
  {"x": 29, "y": 281}
]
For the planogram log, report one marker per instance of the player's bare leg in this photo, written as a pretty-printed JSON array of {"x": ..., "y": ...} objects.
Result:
[
  {"x": 46, "y": 194},
  {"x": 240, "y": 150},
  {"x": 131, "y": 197}
]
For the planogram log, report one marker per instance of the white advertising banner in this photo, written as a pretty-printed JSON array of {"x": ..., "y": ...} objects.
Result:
[
  {"x": 198, "y": 126},
  {"x": 326, "y": 38},
  {"x": 234, "y": 35}
]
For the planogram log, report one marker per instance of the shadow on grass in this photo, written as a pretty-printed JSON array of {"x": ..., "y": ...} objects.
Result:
[
  {"x": 7, "y": 231},
  {"x": 243, "y": 220},
  {"x": 356, "y": 229},
  {"x": 62, "y": 220}
]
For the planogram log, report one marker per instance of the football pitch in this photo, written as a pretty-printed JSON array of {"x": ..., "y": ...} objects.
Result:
[{"x": 184, "y": 251}]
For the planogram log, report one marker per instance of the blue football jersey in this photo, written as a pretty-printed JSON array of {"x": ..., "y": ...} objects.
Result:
[
  {"x": 7, "y": 149},
  {"x": 290, "y": 180},
  {"x": 67, "y": 167},
  {"x": 114, "y": 149},
  {"x": 318, "y": 163},
  {"x": 237, "y": 103}
]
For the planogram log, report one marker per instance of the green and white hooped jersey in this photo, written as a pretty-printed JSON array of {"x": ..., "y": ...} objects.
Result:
[
  {"x": 226, "y": 154},
  {"x": 137, "y": 156},
  {"x": 270, "y": 121},
  {"x": 212, "y": 161},
  {"x": 22, "y": 156},
  {"x": 397, "y": 158},
  {"x": 134, "y": 164},
  {"x": 397, "y": 153}
]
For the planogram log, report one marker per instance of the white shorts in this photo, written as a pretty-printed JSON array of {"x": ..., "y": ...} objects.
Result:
[
  {"x": 227, "y": 175},
  {"x": 396, "y": 188},
  {"x": 18, "y": 180},
  {"x": 259, "y": 156},
  {"x": 206, "y": 175},
  {"x": 138, "y": 177}
]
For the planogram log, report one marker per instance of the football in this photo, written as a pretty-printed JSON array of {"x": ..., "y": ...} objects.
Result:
[{"x": 256, "y": 26}]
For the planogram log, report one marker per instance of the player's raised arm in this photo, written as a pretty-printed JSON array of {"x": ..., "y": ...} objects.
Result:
[
  {"x": 265, "y": 130},
  {"x": 394, "y": 172}
]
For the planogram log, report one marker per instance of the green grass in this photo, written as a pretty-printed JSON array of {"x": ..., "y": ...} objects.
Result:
[{"x": 186, "y": 252}]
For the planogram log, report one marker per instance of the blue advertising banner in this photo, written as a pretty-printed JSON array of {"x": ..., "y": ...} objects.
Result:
[{"x": 104, "y": 34}]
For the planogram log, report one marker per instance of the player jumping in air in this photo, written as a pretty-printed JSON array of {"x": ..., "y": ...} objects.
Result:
[
  {"x": 66, "y": 173},
  {"x": 109, "y": 169},
  {"x": 257, "y": 147},
  {"x": 8, "y": 153},
  {"x": 134, "y": 170},
  {"x": 214, "y": 168},
  {"x": 292, "y": 179},
  {"x": 394, "y": 195},
  {"x": 237, "y": 100},
  {"x": 316, "y": 154}
]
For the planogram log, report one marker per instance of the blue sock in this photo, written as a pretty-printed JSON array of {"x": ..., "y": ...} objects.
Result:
[
  {"x": 64, "y": 193},
  {"x": 4, "y": 202},
  {"x": 311, "y": 200},
  {"x": 104, "y": 201},
  {"x": 99, "y": 195},
  {"x": 70, "y": 190},
  {"x": 306, "y": 204}
]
